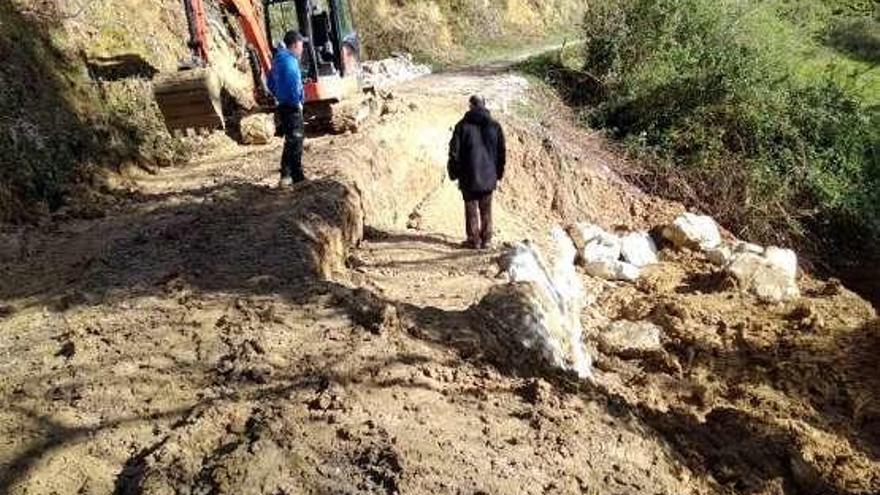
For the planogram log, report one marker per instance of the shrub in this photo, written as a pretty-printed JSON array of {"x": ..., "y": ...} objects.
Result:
[{"x": 718, "y": 92}]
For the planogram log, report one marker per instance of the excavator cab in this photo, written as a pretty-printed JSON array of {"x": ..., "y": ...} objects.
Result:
[
  {"x": 331, "y": 59},
  {"x": 331, "y": 56}
]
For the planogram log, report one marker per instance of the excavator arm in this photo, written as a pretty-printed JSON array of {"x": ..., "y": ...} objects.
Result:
[
  {"x": 249, "y": 19},
  {"x": 191, "y": 99}
]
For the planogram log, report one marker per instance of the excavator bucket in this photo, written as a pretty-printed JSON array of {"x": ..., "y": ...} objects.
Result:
[{"x": 190, "y": 99}]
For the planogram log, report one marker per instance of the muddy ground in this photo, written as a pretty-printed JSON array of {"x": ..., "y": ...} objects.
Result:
[{"x": 207, "y": 333}]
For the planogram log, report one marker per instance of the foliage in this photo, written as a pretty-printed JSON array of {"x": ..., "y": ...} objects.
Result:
[
  {"x": 730, "y": 100},
  {"x": 67, "y": 111},
  {"x": 449, "y": 31}
]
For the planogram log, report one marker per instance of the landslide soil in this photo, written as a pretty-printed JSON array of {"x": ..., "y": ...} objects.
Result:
[{"x": 211, "y": 334}]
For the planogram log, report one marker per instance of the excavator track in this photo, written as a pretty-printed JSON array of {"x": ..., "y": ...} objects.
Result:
[{"x": 339, "y": 117}]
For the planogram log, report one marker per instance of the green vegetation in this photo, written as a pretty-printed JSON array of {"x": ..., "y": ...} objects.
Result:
[
  {"x": 763, "y": 113},
  {"x": 444, "y": 32},
  {"x": 70, "y": 109}
]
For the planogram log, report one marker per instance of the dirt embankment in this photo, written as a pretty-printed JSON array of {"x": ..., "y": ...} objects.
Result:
[
  {"x": 212, "y": 334},
  {"x": 443, "y": 31}
]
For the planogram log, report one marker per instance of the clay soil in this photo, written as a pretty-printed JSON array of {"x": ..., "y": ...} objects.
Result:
[{"x": 209, "y": 334}]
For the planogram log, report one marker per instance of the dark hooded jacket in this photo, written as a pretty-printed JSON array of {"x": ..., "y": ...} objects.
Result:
[{"x": 477, "y": 153}]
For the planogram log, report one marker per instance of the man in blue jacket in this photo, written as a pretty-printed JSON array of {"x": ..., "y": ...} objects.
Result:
[{"x": 285, "y": 82}]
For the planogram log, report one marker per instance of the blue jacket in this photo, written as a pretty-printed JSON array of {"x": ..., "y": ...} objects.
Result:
[{"x": 285, "y": 79}]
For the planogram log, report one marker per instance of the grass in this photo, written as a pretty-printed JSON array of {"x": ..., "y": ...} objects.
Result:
[{"x": 762, "y": 113}]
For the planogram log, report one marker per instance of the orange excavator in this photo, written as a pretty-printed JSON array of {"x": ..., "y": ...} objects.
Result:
[{"x": 192, "y": 97}]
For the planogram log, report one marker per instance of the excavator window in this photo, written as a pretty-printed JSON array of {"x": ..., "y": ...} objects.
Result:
[
  {"x": 343, "y": 18},
  {"x": 281, "y": 17}
]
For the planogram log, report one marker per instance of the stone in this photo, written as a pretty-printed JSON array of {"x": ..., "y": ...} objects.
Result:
[
  {"x": 539, "y": 309},
  {"x": 582, "y": 233},
  {"x": 258, "y": 128},
  {"x": 593, "y": 243},
  {"x": 784, "y": 259},
  {"x": 693, "y": 232},
  {"x": 630, "y": 338},
  {"x": 639, "y": 249},
  {"x": 605, "y": 247},
  {"x": 398, "y": 68},
  {"x": 530, "y": 329},
  {"x": 747, "y": 247},
  {"x": 613, "y": 270},
  {"x": 720, "y": 256},
  {"x": 772, "y": 279},
  {"x": 599, "y": 252}
]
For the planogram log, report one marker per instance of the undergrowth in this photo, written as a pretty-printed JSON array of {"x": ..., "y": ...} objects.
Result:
[
  {"x": 67, "y": 116},
  {"x": 760, "y": 113}
]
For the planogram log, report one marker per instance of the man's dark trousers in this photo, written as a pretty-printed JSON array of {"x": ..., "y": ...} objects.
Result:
[
  {"x": 291, "y": 120},
  {"x": 478, "y": 218}
]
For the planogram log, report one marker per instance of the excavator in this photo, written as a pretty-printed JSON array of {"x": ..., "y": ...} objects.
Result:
[{"x": 193, "y": 99}]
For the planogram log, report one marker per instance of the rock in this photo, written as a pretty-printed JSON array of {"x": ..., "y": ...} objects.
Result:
[
  {"x": 747, "y": 247},
  {"x": 770, "y": 278},
  {"x": 530, "y": 330},
  {"x": 613, "y": 270},
  {"x": 720, "y": 255},
  {"x": 258, "y": 128},
  {"x": 604, "y": 247},
  {"x": 630, "y": 338},
  {"x": 693, "y": 232},
  {"x": 594, "y": 244},
  {"x": 539, "y": 310},
  {"x": 582, "y": 233},
  {"x": 784, "y": 259},
  {"x": 599, "y": 252},
  {"x": 639, "y": 249},
  {"x": 398, "y": 68}
]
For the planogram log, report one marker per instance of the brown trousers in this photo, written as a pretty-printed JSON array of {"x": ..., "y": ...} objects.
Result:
[{"x": 478, "y": 219}]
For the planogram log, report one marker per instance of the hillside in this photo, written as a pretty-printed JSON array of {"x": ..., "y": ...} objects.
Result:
[
  {"x": 448, "y": 31},
  {"x": 763, "y": 114},
  {"x": 81, "y": 71}
]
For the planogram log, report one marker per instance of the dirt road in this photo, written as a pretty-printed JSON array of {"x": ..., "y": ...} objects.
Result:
[{"x": 212, "y": 334}]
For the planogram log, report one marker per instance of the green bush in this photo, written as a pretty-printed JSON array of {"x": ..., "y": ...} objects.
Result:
[{"x": 724, "y": 95}]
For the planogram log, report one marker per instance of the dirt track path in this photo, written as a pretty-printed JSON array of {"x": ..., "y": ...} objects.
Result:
[{"x": 183, "y": 344}]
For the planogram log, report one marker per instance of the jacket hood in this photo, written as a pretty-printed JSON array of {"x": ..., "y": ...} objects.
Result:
[{"x": 478, "y": 116}]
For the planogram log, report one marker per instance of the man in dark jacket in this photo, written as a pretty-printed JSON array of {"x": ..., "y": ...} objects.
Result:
[
  {"x": 477, "y": 156},
  {"x": 285, "y": 82}
]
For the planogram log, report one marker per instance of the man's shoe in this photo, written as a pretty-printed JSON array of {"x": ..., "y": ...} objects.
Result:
[{"x": 285, "y": 182}]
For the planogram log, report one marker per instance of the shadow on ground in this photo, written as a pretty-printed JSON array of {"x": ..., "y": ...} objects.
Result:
[{"x": 245, "y": 241}]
